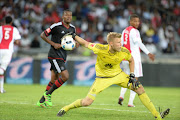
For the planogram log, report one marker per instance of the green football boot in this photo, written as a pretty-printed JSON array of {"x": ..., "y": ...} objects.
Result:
[
  {"x": 43, "y": 105},
  {"x": 48, "y": 99}
]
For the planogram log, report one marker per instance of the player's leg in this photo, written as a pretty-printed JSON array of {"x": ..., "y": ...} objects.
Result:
[
  {"x": 60, "y": 69},
  {"x": 98, "y": 86},
  {"x": 59, "y": 82},
  {"x": 76, "y": 104},
  {"x": 148, "y": 103},
  {"x": 2, "y": 80},
  {"x": 131, "y": 98},
  {"x": 5, "y": 59},
  {"x": 121, "y": 97},
  {"x": 54, "y": 77},
  {"x": 142, "y": 96}
]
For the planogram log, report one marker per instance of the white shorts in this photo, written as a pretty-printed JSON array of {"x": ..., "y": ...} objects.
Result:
[
  {"x": 5, "y": 58},
  {"x": 137, "y": 68}
]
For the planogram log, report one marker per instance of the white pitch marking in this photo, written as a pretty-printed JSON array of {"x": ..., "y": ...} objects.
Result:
[
  {"x": 114, "y": 109},
  {"x": 13, "y": 102}
]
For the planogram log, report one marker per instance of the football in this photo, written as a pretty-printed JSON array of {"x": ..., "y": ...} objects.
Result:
[{"x": 68, "y": 43}]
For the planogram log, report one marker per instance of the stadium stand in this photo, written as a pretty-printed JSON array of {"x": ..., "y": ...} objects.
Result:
[{"x": 160, "y": 26}]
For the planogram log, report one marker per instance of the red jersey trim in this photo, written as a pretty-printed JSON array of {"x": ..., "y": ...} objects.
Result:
[
  {"x": 65, "y": 26},
  {"x": 57, "y": 58}
]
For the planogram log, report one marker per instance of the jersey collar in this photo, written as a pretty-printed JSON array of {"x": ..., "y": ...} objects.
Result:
[{"x": 65, "y": 26}]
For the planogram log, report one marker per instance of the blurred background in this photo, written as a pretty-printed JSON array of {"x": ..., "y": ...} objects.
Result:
[{"x": 93, "y": 19}]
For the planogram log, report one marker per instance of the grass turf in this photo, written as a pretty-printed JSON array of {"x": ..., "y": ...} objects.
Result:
[{"x": 19, "y": 103}]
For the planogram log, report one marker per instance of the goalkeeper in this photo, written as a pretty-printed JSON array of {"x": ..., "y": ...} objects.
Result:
[{"x": 108, "y": 72}]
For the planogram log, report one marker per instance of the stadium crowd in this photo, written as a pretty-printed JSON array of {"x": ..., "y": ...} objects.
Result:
[{"x": 160, "y": 26}]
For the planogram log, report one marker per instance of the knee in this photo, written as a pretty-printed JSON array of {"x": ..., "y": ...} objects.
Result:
[
  {"x": 65, "y": 77},
  {"x": 140, "y": 90},
  {"x": 86, "y": 102}
]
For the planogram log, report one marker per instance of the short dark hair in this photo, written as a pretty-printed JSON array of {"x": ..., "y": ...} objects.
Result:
[
  {"x": 8, "y": 19},
  {"x": 67, "y": 10},
  {"x": 133, "y": 16}
]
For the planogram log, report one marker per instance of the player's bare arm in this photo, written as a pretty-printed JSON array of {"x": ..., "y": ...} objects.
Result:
[
  {"x": 17, "y": 42},
  {"x": 131, "y": 64},
  {"x": 81, "y": 41},
  {"x": 55, "y": 45}
]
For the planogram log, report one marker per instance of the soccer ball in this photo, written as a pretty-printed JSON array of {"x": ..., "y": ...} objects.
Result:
[{"x": 68, "y": 43}]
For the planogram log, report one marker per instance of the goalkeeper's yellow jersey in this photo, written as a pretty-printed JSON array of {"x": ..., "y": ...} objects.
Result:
[{"x": 108, "y": 64}]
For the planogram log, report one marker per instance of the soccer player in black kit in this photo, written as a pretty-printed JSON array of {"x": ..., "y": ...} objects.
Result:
[{"x": 56, "y": 56}]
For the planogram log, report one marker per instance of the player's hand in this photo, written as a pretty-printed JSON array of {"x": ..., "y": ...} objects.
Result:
[
  {"x": 151, "y": 56},
  {"x": 71, "y": 33},
  {"x": 133, "y": 80},
  {"x": 77, "y": 44},
  {"x": 57, "y": 45}
]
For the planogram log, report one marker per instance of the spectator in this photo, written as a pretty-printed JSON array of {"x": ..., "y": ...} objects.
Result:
[{"x": 35, "y": 43}]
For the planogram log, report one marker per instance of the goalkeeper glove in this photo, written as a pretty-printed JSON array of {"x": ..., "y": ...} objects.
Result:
[
  {"x": 134, "y": 82},
  {"x": 71, "y": 33}
]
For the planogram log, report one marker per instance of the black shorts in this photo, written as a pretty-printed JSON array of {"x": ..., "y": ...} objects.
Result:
[{"x": 57, "y": 65}]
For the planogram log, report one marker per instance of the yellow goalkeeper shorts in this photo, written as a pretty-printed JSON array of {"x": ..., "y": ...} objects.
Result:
[{"x": 100, "y": 84}]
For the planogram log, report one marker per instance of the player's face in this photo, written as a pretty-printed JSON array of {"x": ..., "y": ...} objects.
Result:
[
  {"x": 67, "y": 17},
  {"x": 116, "y": 44},
  {"x": 135, "y": 22}
]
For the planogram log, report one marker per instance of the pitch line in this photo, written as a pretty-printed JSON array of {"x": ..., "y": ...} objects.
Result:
[
  {"x": 14, "y": 102},
  {"x": 114, "y": 109}
]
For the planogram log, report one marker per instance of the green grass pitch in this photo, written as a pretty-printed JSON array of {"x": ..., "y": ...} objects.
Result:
[{"x": 19, "y": 103}]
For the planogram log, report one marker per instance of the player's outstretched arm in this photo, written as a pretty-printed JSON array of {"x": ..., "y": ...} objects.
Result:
[
  {"x": 82, "y": 41},
  {"x": 79, "y": 39}
]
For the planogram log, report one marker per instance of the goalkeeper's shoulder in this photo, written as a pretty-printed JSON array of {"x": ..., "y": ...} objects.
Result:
[{"x": 125, "y": 50}]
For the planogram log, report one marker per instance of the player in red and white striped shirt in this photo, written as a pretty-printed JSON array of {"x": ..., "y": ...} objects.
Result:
[
  {"x": 9, "y": 36},
  {"x": 132, "y": 41}
]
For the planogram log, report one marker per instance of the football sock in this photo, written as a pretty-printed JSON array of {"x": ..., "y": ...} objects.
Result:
[
  {"x": 123, "y": 91},
  {"x": 132, "y": 96},
  {"x": 148, "y": 104},
  {"x": 56, "y": 85},
  {"x": 2, "y": 83},
  {"x": 47, "y": 88},
  {"x": 75, "y": 104}
]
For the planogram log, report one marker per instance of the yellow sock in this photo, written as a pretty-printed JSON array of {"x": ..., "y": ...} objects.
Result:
[
  {"x": 148, "y": 104},
  {"x": 75, "y": 104}
]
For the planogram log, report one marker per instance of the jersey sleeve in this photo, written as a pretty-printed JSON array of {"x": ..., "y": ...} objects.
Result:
[
  {"x": 95, "y": 47},
  {"x": 127, "y": 54},
  {"x": 17, "y": 35},
  {"x": 47, "y": 32},
  {"x": 135, "y": 35}
]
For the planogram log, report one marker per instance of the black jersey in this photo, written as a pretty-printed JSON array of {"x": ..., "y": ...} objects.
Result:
[{"x": 57, "y": 31}]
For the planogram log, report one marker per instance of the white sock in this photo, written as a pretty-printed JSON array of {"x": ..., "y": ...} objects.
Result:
[
  {"x": 2, "y": 83},
  {"x": 123, "y": 91},
  {"x": 131, "y": 98}
]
